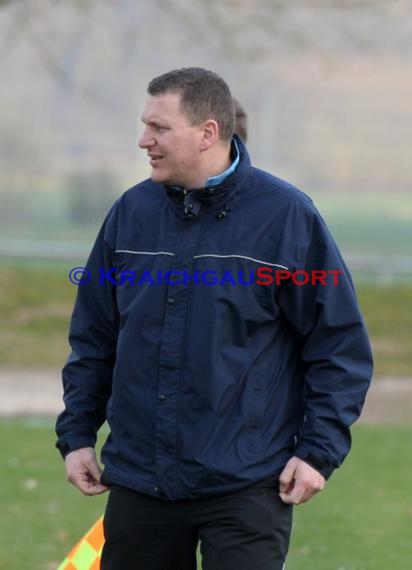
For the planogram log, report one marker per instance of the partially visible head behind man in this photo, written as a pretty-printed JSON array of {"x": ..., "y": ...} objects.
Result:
[
  {"x": 240, "y": 120},
  {"x": 204, "y": 95}
]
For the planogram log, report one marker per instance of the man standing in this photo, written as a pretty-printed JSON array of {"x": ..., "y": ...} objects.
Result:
[{"x": 221, "y": 339}]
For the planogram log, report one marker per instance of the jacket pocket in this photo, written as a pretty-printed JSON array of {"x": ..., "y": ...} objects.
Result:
[
  {"x": 256, "y": 416},
  {"x": 258, "y": 402}
]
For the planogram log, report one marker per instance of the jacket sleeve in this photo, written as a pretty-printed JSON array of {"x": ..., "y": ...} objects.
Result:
[
  {"x": 87, "y": 374},
  {"x": 334, "y": 345}
]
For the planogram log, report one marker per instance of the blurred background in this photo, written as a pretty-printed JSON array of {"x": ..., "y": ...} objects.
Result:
[{"x": 327, "y": 87}]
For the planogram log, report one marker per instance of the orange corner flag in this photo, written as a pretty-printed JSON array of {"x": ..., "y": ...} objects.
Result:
[{"x": 85, "y": 555}]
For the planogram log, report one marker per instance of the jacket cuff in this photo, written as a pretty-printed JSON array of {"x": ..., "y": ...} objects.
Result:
[
  {"x": 65, "y": 447},
  {"x": 321, "y": 465}
]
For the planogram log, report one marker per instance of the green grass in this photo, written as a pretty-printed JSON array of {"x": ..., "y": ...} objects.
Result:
[
  {"x": 42, "y": 515},
  {"x": 388, "y": 314},
  {"x": 365, "y": 222},
  {"x": 361, "y": 521},
  {"x": 36, "y": 302}
]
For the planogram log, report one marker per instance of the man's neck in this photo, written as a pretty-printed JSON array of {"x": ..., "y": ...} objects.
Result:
[
  {"x": 217, "y": 162},
  {"x": 220, "y": 165}
]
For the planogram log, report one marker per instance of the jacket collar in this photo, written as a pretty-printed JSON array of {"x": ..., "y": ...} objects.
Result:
[
  {"x": 220, "y": 196},
  {"x": 220, "y": 178}
]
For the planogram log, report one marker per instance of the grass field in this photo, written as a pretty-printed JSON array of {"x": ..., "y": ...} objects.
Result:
[
  {"x": 362, "y": 521},
  {"x": 36, "y": 302},
  {"x": 369, "y": 222}
]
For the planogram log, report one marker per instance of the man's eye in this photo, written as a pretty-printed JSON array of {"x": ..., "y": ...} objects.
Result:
[{"x": 160, "y": 129}]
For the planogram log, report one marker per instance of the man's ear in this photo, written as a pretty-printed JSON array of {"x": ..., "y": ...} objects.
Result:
[{"x": 210, "y": 134}]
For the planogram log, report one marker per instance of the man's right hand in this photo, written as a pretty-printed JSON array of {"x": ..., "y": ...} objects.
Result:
[{"x": 83, "y": 471}]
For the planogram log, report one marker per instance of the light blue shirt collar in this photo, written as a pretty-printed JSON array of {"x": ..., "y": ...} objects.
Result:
[{"x": 215, "y": 180}]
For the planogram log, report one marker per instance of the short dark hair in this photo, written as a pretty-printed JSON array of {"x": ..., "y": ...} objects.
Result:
[
  {"x": 240, "y": 120},
  {"x": 204, "y": 95}
]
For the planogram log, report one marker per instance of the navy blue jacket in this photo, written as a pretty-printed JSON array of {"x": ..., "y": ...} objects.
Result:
[{"x": 210, "y": 376}]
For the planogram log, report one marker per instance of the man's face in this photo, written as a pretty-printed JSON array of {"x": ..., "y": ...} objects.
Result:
[{"x": 172, "y": 143}]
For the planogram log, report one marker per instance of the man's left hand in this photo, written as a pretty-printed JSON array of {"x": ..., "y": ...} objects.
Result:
[{"x": 298, "y": 482}]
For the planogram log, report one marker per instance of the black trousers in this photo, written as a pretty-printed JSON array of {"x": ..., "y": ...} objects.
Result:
[{"x": 247, "y": 530}]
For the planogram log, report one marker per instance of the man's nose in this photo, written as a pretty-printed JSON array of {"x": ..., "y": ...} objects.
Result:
[{"x": 146, "y": 140}]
